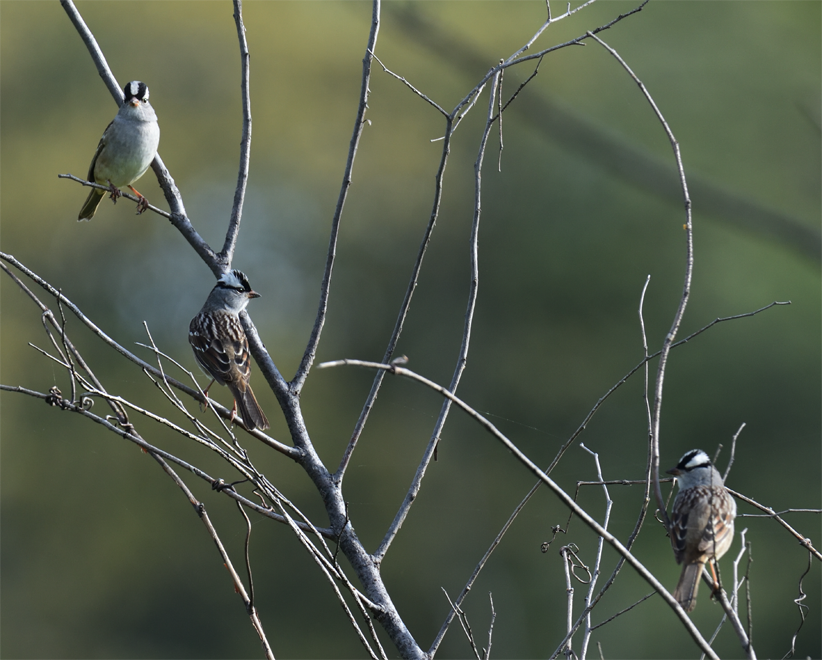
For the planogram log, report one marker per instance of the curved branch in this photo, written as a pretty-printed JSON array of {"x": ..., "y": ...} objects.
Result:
[
  {"x": 620, "y": 158},
  {"x": 544, "y": 478},
  {"x": 227, "y": 253},
  {"x": 686, "y": 287}
]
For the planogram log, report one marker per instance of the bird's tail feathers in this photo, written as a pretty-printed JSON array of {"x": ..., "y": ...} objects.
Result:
[
  {"x": 252, "y": 414},
  {"x": 685, "y": 592},
  {"x": 92, "y": 202}
]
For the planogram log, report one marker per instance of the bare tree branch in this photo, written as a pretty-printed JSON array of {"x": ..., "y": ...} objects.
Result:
[
  {"x": 178, "y": 215},
  {"x": 803, "y": 540},
  {"x": 620, "y": 158},
  {"x": 285, "y": 449},
  {"x": 609, "y": 505},
  {"x": 686, "y": 287},
  {"x": 462, "y": 359},
  {"x": 226, "y": 255},
  {"x": 404, "y": 309},
  {"x": 559, "y": 492},
  {"x": 200, "y": 509},
  {"x": 359, "y": 125},
  {"x": 371, "y": 600}
]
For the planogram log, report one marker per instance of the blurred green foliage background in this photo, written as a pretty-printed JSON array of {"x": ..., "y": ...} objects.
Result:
[{"x": 102, "y": 557}]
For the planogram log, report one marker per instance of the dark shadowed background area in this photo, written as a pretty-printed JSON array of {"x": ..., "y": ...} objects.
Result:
[{"x": 101, "y": 555}]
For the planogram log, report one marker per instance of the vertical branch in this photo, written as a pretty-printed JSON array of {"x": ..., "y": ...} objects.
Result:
[
  {"x": 311, "y": 349},
  {"x": 227, "y": 254},
  {"x": 462, "y": 359},
  {"x": 609, "y": 504},
  {"x": 686, "y": 287},
  {"x": 404, "y": 307},
  {"x": 569, "y": 605},
  {"x": 645, "y": 354}
]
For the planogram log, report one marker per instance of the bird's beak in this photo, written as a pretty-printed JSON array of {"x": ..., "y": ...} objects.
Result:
[
  {"x": 253, "y": 294},
  {"x": 135, "y": 102},
  {"x": 672, "y": 471}
]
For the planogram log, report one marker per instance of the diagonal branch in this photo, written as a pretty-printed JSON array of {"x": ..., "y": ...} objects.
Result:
[
  {"x": 172, "y": 194},
  {"x": 239, "y": 588},
  {"x": 620, "y": 158},
  {"x": 359, "y": 123},
  {"x": 566, "y": 499},
  {"x": 197, "y": 395},
  {"x": 803, "y": 540},
  {"x": 405, "y": 306},
  {"x": 462, "y": 358}
]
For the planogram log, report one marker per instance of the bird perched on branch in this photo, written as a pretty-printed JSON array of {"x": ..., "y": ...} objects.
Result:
[
  {"x": 125, "y": 151},
  {"x": 221, "y": 346},
  {"x": 702, "y": 522}
]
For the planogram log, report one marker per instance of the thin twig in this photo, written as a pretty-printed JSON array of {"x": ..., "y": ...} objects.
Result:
[
  {"x": 803, "y": 540},
  {"x": 559, "y": 492},
  {"x": 359, "y": 125},
  {"x": 462, "y": 358},
  {"x": 499, "y": 117},
  {"x": 733, "y": 452},
  {"x": 487, "y": 652},
  {"x": 123, "y": 193},
  {"x": 226, "y": 255},
  {"x": 466, "y": 626},
  {"x": 405, "y": 82},
  {"x": 521, "y": 87},
  {"x": 686, "y": 287},
  {"x": 569, "y": 12},
  {"x": 609, "y": 505},
  {"x": 224, "y": 412},
  {"x": 623, "y": 611},
  {"x": 777, "y": 513},
  {"x": 405, "y": 306}
]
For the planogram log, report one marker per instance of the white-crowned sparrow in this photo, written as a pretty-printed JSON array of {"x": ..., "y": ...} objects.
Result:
[
  {"x": 126, "y": 149},
  {"x": 220, "y": 344},
  {"x": 702, "y": 521}
]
